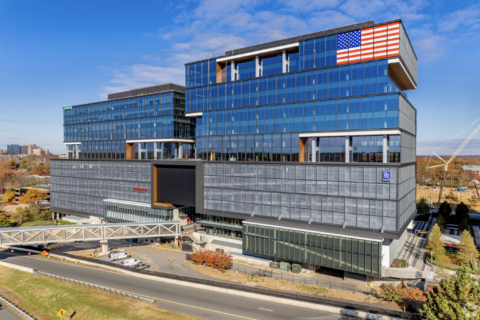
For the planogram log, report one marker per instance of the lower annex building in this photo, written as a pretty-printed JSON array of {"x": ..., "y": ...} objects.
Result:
[{"x": 299, "y": 150}]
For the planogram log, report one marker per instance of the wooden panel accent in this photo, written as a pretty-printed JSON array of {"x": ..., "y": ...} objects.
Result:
[
  {"x": 302, "y": 149},
  {"x": 154, "y": 173},
  {"x": 155, "y": 191},
  {"x": 130, "y": 151},
  {"x": 219, "y": 73}
]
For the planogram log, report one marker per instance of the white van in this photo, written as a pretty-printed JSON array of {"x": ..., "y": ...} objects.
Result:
[
  {"x": 130, "y": 262},
  {"x": 118, "y": 255}
]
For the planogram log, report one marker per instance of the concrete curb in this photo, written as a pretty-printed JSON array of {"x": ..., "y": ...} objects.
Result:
[
  {"x": 14, "y": 266},
  {"x": 348, "y": 312}
]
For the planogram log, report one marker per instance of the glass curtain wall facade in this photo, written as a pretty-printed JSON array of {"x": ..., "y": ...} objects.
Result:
[
  {"x": 103, "y": 127},
  {"x": 343, "y": 253}
]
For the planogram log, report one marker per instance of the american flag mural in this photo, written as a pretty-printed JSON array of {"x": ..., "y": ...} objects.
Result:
[{"x": 369, "y": 43}]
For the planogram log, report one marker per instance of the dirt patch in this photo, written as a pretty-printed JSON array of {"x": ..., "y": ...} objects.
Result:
[
  {"x": 278, "y": 284},
  {"x": 84, "y": 253}
]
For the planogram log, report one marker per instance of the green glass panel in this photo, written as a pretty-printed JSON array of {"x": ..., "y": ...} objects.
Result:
[
  {"x": 368, "y": 247},
  {"x": 361, "y": 264},
  {"x": 361, "y": 247},
  {"x": 336, "y": 243}
]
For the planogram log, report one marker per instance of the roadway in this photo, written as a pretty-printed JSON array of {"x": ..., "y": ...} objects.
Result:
[{"x": 201, "y": 303}]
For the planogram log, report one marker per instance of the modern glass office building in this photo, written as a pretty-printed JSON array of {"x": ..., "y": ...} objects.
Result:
[
  {"x": 301, "y": 149},
  {"x": 151, "y": 119}
]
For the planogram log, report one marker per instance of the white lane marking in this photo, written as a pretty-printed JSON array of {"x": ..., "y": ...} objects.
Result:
[{"x": 266, "y": 309}]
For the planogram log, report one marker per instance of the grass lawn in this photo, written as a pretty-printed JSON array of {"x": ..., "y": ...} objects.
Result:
[
  {"x": 35, "y": 223},
  {"x": 44, "y": 297}
]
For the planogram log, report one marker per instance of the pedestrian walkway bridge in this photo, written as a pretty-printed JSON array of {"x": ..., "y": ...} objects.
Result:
[{"x": 87, "y": 232}]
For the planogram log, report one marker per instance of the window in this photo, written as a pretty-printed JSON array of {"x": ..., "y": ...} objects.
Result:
[{"x": 367, "y": 149}]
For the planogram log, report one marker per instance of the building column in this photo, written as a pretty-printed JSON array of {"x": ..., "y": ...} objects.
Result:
[
  {"x": 257, "y": 66},
  {"x": 385, "y": 149},
  {"x": 105, "y": 247},
  {"x": 77, "y": 151},
  {"x": 67, "y": 152},
  {"x": 139, "y": 151},
  {"x": 232, "y": 71},
  {"x": 284, "y": 62},
  {"x": 175, "y": 150},
  {"x": 155, "y": 150},
  {"x": 180, "y": 150},
  {"x": 162, "y": 149},
  {"x": 347, "y": 149},
  {"x": 314, "y": 150}
]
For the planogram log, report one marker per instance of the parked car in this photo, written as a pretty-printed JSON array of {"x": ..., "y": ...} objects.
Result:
[
  {"x": 130, "y": 262},
  {"x": 142, "y": 266},
  {"x": 118, "y": 255}
]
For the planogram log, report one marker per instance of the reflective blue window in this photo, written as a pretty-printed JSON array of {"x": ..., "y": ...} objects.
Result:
[
  {"x": 293, "y": 62},
  {"x": 357, "y": 87},
  {"x": 261, "y": 120},
  {"x": 320, "y": 59},
  {"x": 331, "y": 58},
  {"x": 382, "y": 84},
  {"x": 382, "y": 68},
  {"x": 322, "y": 76},
  {"x": 271, "y": 66},
  {"x": 331, "y": 43},
  {"x": 370, "y": 85},
  {"x": 345, "y": 88},
  {"x": 354, "y": 105},
  {"x": 367, "y": 104},
  {"x": 392, "y": 102},
  {"x": 342, "y": 106},
  {"x": 320, "y": 44},
  {"x": 322, "y": 92},
  {"x": 333, "y": 89},
  {"x": 333, "y": 74},
  {"x": 354, "y": 121},
  {"x": 370, "y": 69},
  {"x": 331, "y": 107},
  {"x": 357, "y": 71},
  {"x": 367, "y": 120},
  {"x": 380, "y": 103},
  {"x": 380, "y": 119},
  {"x": 342, "y": 121},
  {"x": 345, "y": 72},
  {"x": 392, "y": 119},
  {"x": 331, "y": 123}
]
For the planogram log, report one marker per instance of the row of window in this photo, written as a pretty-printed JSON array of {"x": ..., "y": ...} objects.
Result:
[
  {"x": 285, "y": 148},
  {"x": 353, "y": 121},
  {"x": 246, "y": 93},
  {"x": 152, "y": 105},
  {"x": 157, "y": 127}
]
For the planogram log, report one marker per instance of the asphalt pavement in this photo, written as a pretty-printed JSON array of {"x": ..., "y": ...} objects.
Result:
[
  {"x": 7, "y": 313},
  {"x": 201, "y": 303}
]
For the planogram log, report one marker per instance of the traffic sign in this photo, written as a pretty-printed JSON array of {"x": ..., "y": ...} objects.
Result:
[{"x": 61, "y": 313}]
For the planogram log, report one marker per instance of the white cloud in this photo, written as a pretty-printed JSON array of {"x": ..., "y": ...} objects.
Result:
[
  {"x": 309, "y": 5},
  {"x": 329, "y": 19},
  {"x": 430, "y": 48},
  {"x": 140, "y": 75},
  {"x": 468, "y": 17}
]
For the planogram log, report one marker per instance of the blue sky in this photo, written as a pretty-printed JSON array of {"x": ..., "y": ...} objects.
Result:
[{"x": 60, "y": 53}]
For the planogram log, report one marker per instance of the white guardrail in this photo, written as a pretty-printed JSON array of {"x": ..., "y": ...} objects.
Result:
[{"x": 96, "y": 286}]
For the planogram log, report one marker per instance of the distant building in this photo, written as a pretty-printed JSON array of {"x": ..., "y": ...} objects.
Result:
[
  {"x": 40, "y": 151},
  {"x": 30, "y": 148},
  {"x": 474, "y": 169},
  {"x": 13, "y": 149},
  {"x": 23, "y": 150},
  {"x": 22, "y": 190}
]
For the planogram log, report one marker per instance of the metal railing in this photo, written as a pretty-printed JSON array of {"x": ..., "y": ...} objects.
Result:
[
  {"x": 343, "y": 304},
  {"x": 96, "y": 286},
  {"x": 14, "y": 306},
  {"x": 333, "y": 285},
  {"x": 72, "y": 233}
]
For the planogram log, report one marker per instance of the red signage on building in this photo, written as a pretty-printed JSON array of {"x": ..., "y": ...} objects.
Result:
[{"x": 139, "y": 189}]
